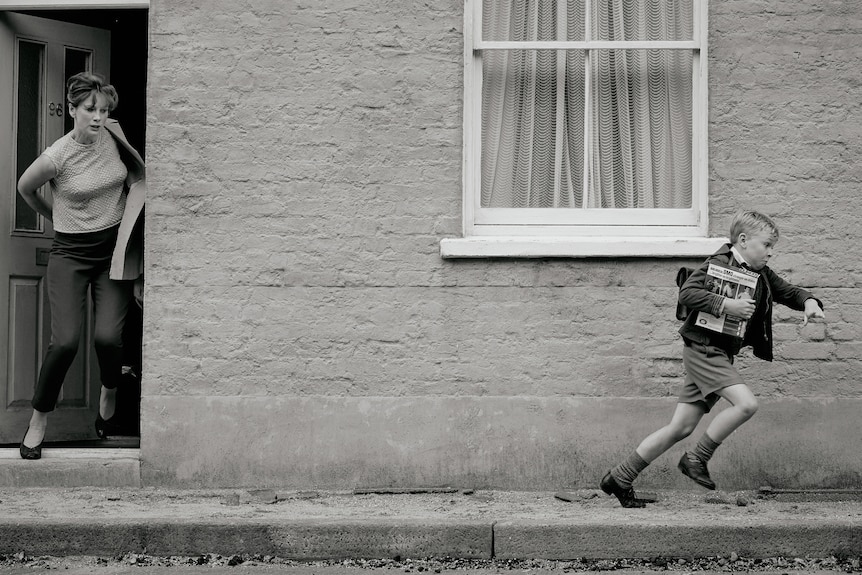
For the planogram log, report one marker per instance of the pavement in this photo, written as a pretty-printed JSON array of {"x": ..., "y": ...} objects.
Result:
[{"x": 428, "y": 522}]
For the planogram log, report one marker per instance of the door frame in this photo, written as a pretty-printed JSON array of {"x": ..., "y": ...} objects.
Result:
[{"x": 39, "y": 5}]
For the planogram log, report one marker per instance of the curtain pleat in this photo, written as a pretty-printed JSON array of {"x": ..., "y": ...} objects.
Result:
[{"x": 641, "y": 107}]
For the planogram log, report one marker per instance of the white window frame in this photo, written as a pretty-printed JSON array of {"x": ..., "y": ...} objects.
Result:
[{"x": 551, "y": 232}]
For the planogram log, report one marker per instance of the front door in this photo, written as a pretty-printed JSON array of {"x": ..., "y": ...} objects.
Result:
[{"x": 37, "y": 55}]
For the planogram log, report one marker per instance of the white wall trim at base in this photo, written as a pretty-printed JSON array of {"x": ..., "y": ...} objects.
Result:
[{"x": 577, "y": 247}]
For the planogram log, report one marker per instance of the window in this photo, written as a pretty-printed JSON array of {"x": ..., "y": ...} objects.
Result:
[{"x": 585, "y": 124}]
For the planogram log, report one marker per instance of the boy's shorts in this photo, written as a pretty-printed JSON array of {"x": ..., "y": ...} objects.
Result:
[{"x": 707, "y": 369}]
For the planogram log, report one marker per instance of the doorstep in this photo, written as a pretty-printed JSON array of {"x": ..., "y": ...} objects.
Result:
[{"x": 72, "y": 467}]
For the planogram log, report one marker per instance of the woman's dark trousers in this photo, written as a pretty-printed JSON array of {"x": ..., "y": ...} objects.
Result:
[{"x": 78, "y": 262}]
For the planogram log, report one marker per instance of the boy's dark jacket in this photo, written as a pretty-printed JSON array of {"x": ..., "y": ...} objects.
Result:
[{"x": 770, "y": 287}]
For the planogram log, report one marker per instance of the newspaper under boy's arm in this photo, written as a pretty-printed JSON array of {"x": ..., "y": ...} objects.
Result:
[{"x": 694, "y": 295}]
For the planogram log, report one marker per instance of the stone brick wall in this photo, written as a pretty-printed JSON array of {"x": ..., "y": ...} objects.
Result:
[
  {"x": 783, "y": 92},
  {"x": 304, "y": 162}
]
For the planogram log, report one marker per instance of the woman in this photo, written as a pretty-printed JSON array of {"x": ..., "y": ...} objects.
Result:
[{"x": 90, "y": 170}]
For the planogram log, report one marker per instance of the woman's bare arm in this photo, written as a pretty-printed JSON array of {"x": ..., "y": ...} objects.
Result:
[{"x": 33, "y": 178}]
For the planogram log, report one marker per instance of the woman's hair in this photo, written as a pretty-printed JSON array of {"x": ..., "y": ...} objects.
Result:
[
  {"x": 751, "y": 222},
  {"x": 81, "y": 85}
]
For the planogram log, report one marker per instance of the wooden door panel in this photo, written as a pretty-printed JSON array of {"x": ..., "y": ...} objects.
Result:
[
  {"x": 36, "y": 57},
  {"x": 25, "y": 346}
]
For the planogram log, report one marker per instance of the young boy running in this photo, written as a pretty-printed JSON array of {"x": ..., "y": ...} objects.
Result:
[{"x": 708, "y": 356}]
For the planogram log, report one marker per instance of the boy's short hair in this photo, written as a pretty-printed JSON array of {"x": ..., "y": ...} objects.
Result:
[{"x": 750, "y": 222}]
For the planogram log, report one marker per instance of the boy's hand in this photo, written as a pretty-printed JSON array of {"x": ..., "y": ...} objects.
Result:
[
  {"x": 743, "y": 308},
  {"x": 812, "y": 309}
]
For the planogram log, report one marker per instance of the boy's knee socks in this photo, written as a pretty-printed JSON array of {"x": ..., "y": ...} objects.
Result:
[
  {"x": 627, "y": 471},
  {"x": 705, "y": 447}
]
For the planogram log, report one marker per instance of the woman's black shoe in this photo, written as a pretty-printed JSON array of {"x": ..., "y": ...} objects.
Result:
[
  {"x": 30, "y": 452},
  {"x": 105, "y": 427},
  {"x": 108, "y": 427}
]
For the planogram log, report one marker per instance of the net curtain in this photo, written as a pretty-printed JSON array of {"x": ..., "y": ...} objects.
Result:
[{"x": 533, "y": 107}]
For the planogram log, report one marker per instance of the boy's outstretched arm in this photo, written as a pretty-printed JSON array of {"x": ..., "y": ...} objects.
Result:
[
  {"x": 812, "y": 309},
  {"x": 795, "y": 297}
]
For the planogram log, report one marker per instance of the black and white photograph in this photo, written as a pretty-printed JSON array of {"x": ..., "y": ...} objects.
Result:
[{"x": 363, "y": 287}]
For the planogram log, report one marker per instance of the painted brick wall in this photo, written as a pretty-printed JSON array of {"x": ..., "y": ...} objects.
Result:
[
  {"x": 783, "y": 95},
  {"x": 305, "y": 160}
]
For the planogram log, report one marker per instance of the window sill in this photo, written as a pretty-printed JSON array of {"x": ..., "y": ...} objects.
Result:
[{"x": 577, "y": 247}]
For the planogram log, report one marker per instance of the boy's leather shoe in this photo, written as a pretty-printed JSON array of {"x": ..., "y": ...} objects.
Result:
[
  {"x": 695, "y": 469},
  {"x": 626, "y": 495}
]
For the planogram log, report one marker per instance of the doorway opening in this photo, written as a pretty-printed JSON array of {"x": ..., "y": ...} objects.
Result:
[{"x": 113, "y": 43}]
